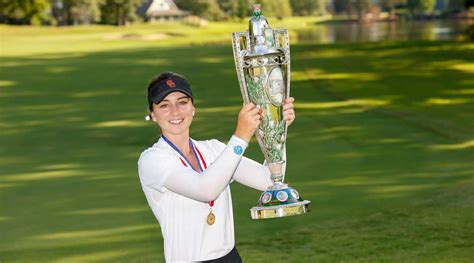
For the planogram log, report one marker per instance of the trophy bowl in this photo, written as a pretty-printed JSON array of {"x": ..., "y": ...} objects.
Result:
[{"x": 262, "y": 62}]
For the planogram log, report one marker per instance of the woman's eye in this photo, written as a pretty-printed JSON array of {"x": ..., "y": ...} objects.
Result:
[
  {"x": 164, "y": 106},
  {"x": 183, "y": 102}
]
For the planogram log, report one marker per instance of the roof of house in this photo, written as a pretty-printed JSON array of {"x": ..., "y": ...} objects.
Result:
[{"x": 154, "y": 8}]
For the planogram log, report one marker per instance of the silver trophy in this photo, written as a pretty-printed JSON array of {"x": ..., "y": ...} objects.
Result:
[{"x": 262, "y": 61}]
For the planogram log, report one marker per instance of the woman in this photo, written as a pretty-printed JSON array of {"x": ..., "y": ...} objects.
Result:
[{"x": 186, "y": 182}]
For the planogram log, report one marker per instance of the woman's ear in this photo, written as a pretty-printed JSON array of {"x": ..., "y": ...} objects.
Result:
[{"x": 153, "y": 116}]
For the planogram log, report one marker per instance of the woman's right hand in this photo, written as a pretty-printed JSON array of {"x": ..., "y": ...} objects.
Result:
[{"x": 249, "y": 119}]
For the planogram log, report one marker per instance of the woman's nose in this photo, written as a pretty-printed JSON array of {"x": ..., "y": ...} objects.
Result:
[{"x": 174, "y": 109}]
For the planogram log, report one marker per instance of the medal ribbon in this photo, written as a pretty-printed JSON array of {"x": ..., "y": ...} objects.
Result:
[{"x": 200, "y": 159}]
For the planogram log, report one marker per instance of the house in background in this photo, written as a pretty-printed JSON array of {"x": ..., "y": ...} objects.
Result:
[{"x": 160, "y": 10}]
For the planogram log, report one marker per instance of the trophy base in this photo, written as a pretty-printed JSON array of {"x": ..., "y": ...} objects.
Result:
[
  {"x": 279, "y": 200},
  {"x": 259, "y": 212}
]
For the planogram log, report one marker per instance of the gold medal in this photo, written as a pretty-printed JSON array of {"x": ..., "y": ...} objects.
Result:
[{"x": 211, "y": 218}]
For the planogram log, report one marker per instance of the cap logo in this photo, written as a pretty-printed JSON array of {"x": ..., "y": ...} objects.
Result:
[{"x": 170, "y": 83}]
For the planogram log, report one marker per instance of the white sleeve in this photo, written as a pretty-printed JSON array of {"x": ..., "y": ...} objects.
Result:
[
  {"x": 206, "y": 186},
  {"x": 253, "y": 174}
]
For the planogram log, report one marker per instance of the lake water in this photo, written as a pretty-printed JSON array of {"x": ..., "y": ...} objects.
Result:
[{"x": 379, "y": 31}]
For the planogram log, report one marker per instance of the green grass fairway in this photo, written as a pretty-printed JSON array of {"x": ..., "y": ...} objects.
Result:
[{"x": 383, "y": 146}]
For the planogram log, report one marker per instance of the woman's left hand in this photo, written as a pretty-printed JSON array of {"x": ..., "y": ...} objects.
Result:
[{"x": 288, "y": 110}]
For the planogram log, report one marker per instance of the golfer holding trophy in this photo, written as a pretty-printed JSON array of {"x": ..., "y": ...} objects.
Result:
[{"x": 262, "y": 61}]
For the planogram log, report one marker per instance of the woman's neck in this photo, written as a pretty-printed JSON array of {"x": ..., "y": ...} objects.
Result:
[{"x": 181, "y": 141}]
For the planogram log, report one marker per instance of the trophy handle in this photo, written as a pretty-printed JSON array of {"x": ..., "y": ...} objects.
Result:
[
  {"x": 281, "y": 35},
  {"x": 239, "y": 38}
]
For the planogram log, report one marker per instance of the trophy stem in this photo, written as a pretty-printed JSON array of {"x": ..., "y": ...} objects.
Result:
[{"x": 276, "y": 170}]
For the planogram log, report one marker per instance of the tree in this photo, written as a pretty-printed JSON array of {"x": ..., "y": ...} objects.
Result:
[
  {"x": 361, "y": 6},
  {"x": 229, "y": 7},
  {"x": 427, "y": 6},
  {"x": 390, "y": 5},
  {"x": 208, "y": 9},
  {"x": 243, "y": 10},
  {"x": 343, "y": 6},
  {"x": 420, "y": 6},
  {"x": 72, "y": 12},
  {"x": 307, "y": 7},
  {"x": 413, "y": 5},
  {"x": 24, "y": 11},
  {"x": 456, "y": 5},
  {"x": 119, "y": 12},
  {"x": 276, "y": 8}
]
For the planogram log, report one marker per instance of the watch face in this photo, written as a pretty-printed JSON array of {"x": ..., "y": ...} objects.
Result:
[
  {"x": 266, "y": 197},
  {"x": 282, "y": 196}
]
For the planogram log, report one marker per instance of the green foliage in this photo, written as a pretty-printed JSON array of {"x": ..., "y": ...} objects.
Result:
[
  {"x": 456, "y": 5},
  {"x": 470, "y": 32},
  {"x": 24, "y": 11},
  {"x": 390, "y": 5},
  {"x": 421, "y": 6},
  {"x": 81, "y": 11},
  {"x": 119, "y": 12},
  {"x": 343, "y": 6},
  {"x": 427, "y": 6},
  {"x": 229, "y": 7},
  {"x": 244, "y": 9},
  {"x": 308, "y": 7},
  {"x": 362, "y": 6},
  {"x": 276, "y": 8},
  {"x": 208, "y": 9}
]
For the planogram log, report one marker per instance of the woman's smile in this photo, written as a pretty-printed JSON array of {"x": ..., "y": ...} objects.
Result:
[{"x": 176, "y": 121}]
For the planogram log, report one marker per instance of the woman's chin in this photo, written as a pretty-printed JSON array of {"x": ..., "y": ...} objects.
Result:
[{"x": 176, "y": 131}]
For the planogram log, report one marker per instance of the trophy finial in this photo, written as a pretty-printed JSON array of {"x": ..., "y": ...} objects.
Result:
[{"x": 256, "y": 10}]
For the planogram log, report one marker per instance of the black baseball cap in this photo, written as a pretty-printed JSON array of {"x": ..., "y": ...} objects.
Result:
[{"x": 172, "y": 83}]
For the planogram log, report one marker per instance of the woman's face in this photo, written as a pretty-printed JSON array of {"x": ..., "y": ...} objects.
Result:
[{"x": 174, "y": 113}]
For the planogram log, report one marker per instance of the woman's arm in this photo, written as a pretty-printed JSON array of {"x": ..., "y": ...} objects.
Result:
[
  {"x": 208, "y": 185},
  {"x": 158, "y": 171}
]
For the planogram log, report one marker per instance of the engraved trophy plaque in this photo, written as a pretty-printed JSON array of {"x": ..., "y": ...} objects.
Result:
[{"x": 262, "y": 61}]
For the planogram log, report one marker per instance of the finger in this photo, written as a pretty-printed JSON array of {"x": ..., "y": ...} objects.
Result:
[
  {"x": 289, "y": 100},
  {"x": 288, "y": 113},
  {"x": 249, "y": 106},
  {"x": 288, "y": 106},
  {"x": 289, "y": 116},
  {"x": 254, "y": 111},
  {"x": 256, "y": 118}
]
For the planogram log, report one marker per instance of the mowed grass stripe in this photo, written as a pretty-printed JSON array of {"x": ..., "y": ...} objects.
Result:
[{"x": 383, "y": 153}]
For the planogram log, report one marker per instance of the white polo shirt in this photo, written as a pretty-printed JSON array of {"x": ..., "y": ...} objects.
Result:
[{"x": 179, "y": 196}]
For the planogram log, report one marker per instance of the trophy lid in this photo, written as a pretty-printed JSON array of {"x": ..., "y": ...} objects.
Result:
[{"x": 262, "y": 40}]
